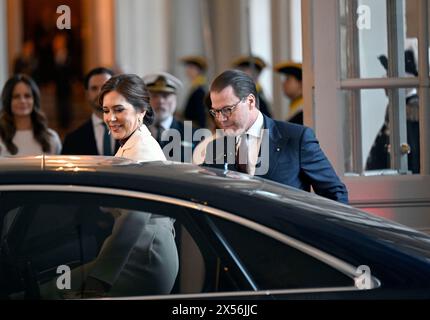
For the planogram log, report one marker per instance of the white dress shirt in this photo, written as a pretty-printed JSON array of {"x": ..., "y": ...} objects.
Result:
[
  {"x": 99, "y": 131},
  {"x": 164, "y": 125},
  {"x": 254, "y": 133}
]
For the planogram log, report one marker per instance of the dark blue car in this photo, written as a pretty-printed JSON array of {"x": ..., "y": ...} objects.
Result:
[{"x": 237, "y": 236}]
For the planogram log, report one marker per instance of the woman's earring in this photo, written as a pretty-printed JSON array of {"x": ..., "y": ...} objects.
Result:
[{"x": 139, "y": 123}]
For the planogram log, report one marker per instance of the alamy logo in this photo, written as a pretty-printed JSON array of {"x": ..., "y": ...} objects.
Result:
[
  {"x": 364, "y": 17},
  {"x": 363, "y": 280},
  {"x": 221, "y": 151},
  {"x": 64, "y": 20},
  {"x": 63, "y": 281}
]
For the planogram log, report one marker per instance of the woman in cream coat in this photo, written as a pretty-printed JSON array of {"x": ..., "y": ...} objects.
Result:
[{"x": 140, "y": 257}]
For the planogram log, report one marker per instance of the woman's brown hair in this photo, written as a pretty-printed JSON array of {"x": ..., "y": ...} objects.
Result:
[
  {"x": 38, "y": 119},
  {"x": 134, "y": 90}
]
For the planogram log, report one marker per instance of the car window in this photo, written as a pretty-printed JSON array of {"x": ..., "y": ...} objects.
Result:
[
  {"x": 61, "y": 245},
  {"x": 274, "y": 265}
]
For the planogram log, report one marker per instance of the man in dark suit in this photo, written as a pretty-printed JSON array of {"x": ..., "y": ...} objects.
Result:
[
  {"x": 92, "y": 138},
  {"x": 174, "y": 137},
  {"x": 255, "y": 144}
]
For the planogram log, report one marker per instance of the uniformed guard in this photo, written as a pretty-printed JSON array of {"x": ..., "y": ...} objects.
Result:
[
  {"x": 292, "y": 86},
  {"x": 169, "y": 132},
  {"x": 195, "y": 110},
  {"x": 379, "y": 157}
]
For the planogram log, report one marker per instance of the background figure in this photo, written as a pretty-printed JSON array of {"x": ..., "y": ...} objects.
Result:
[
  {"x": 92, "y": 137},
  {"x": 195, "y": 68},
  {"x": 43, "y": 37},
  {"x": 163, "y": 88},
  {"x": 23, "y": 126},
  {"x": 27, "y": 62},
  {"x": 379, "y": 156},
  {"x": 63, "y": 73},
  {"x": 292, "y": 86},
  {"x": 253, "y": 66}
]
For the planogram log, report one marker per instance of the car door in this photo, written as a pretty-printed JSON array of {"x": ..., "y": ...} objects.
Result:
[{"x": 51, "y": 235}]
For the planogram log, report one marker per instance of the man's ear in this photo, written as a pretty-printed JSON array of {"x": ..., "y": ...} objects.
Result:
[{"x": 252, "y": 101}]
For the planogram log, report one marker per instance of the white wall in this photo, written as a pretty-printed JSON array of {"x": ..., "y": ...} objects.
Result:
[
  {"x": 187, "y": 39},
  {"x": 261, "y": 41},
  {"x": 281, "y": 39},
  {"x": 98, "y": 27},
  {"x": 142, "y": 35},
  {"x": 296, "y": 30}
]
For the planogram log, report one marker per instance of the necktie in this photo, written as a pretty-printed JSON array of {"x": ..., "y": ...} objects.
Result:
[
  {"x": 242, "y": 154},
  {"x": 159, "y": 132},
  {"x": 107, "y": 147}
]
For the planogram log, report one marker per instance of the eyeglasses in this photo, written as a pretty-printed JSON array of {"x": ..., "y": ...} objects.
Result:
[{"x": 226, "y": 111}]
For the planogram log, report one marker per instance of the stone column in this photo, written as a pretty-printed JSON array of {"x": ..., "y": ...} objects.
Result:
[
  {"x": 142, "y": 35},
  {"x": 226, "y": 24},
  {"x": 281, "y": 40},
  {"x": 98, "y": 33},
  {"x": 186, "y": 28}
]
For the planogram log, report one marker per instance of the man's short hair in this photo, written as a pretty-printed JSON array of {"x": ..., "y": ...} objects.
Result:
[
  {"x": 242, "y": 84},
  {"x": 96, "y": 71}
]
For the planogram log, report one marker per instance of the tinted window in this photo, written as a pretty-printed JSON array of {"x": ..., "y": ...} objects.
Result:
[
  {"x": 112, "y": 246},
  {"x": 275, "y": 265}
]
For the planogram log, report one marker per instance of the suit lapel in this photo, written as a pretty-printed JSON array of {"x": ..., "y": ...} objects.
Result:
[
  {"x": 276, "y": 144},
  {"x": 176, "y": 126},
  {"x": 92, "y": 144},
  {"x": 222, "y": 155},
  {"x": 218, "y": 154}
]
